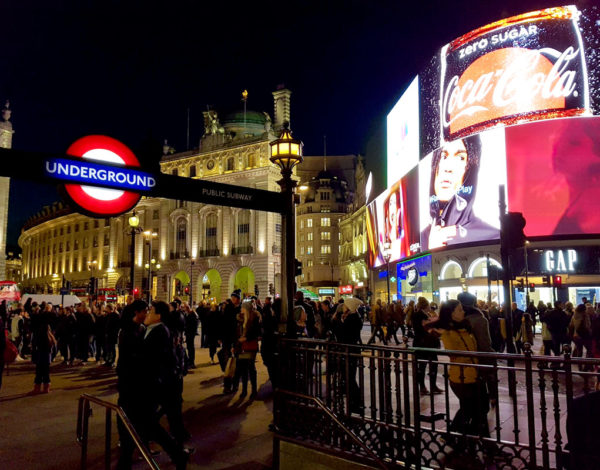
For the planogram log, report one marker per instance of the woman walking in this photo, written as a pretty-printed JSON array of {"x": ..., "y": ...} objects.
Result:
[
  {"x": 425, "y": 339},
  {"x": 247, "y": 348},
  {"x": 471, "y": 418},
  {"x": 43, "y": 342}
]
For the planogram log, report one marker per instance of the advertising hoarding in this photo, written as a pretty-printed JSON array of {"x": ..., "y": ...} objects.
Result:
[{"x": 475, "y": 100}]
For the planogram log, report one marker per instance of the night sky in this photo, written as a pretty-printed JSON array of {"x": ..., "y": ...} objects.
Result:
[{"x": 132, "y": 69}]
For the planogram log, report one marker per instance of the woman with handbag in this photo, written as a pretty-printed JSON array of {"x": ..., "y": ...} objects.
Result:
[
  {"x": 471, "y": 418},
  {"x": 246, "y": 349}
]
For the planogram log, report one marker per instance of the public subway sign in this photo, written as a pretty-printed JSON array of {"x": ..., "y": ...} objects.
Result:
[{"x": 527, "y": 67}]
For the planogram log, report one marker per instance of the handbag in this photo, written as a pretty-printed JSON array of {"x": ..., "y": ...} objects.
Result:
[
  {"x": 230, "y": 369},
  {"x": 250, "y": 345}
]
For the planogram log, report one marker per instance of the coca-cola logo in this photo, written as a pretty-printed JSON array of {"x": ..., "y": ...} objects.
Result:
[{"x": 508, "y": 82}]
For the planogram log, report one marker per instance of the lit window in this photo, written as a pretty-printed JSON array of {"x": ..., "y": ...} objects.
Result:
[
  {"x": 301, "y": 223},
  {"x": 309, "y": 263},
  {"x": 309, "y": 250},
  {"x": 325, "y": 222},
  {"x": 310, "y": 236},
  {"x": 340, "y": 236},
  {"x": 325, "y": 249},
  {"x": 301, "y": 237},
  {"x": 325, "y": 209},
  {"x": 309, "y": 223},
  {"x": 301, "y": 249},
  {"x": 325, "y": 235},
  {"x": 155, "y": 214}
]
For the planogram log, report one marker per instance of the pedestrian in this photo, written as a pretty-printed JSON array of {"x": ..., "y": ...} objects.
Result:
[
  {"x": 557, "y": 322},
  {"x": 43, "y": 342},
  {"x": 158, "y": 369},
  {"x": 580, "y": 330},
  {"x": 111, "y": 334},
  {"x": 227, "y": 334},
  {"x": 525, "y": 333},
  {"x": 191, "y": 331},
  {"x": 425, "y": 338},
  {"x": 471, "y": 417},
  {"x": 65, "y": 329},
  {"x": 268, "y": 343},
  {"x": 246, "y": 349},
  {"x": 16, "y": 328},
  {"x": 377, "y": 323}
]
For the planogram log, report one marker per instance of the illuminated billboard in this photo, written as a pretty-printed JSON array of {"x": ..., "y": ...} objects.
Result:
[{"x": 511, "y": 103}]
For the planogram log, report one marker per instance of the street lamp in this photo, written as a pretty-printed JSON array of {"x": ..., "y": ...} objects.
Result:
[
  {"x": 91, "y": 266},
  {"x": 526, "y": 273},
  {"x": 286, "y": 153},
  {"x": 387, "y": 254},
  {"x": 153, "y": 266},
  {"x": 149, "y": 235},
  {"x": 134, "y": 225}
]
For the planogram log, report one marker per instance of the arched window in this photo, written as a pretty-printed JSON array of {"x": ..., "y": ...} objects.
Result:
[
  {"x": 478, "y": 267},
  {"x": 211, "y": 234},
  {"x": 230, "y": 164},
  {"x": 181, "y": 238},
  {"x": 243, "y": 229},
  {"x": 451, "y": 270},
  {"x": 250, "y": 161}
]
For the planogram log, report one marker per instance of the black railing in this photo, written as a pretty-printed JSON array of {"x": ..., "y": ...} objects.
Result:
[
  {"x": 84, "y": 413},
  {"x": 207, "y": 253},
  {"x": 375, "y": 393},
  {"x": 242, "y": 250},
  {"x": 179, "y": 254}
]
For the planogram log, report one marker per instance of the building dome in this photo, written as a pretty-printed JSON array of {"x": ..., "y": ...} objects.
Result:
[{"x": 253, "y": 123}]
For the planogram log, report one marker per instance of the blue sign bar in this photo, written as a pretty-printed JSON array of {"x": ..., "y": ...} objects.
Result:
[{"x": 97, "y": 174}]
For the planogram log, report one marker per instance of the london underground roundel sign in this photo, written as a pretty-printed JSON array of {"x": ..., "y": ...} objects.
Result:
[{"x": 102, "y": 201}]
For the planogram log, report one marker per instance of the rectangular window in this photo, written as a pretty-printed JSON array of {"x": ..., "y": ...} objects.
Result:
[
  {"x": 301, "y": 237},
  {"x": 244, "y": 228},
  {"x": 55, "y": 232},
  {"x": 309, "y": 236},
  {"x": 68, "y": 229},
  {"x": 60, "y": 247},
  {"x": 309, "y": 250},
  {"x": 278, "y": 227},
  {"x": 193, "y": 171},
  {"x": 96, "y": 223},
  {"x": 325, "y": 222},
  {"x": 309, "y": 223},
  {"x": 301, "y": 249},
  {"x": 325, "y": 209},
  {"x": 211, "y": 232},
  {"x": 68, "y": 246},
  {"x": 174, "y": 172},
  {"x": 76, "y": 244},
  {"x": 324, "y": 196},
  {"x": 155, "y": 214},
  {"x": 107, "y": 222},
  {"x": 77, "y": 227},
  {"x": 95, "y": 241},
  {"x": 54, "y": 249},
  {"x": 325, "y": 249},
  {"x": 325, "y": 235},
  {"x": 309, "y": 263},
  {"x": 61, "y": 230},
  {"x": 340, "y": 236},
  {"x": 86, "y": 226},
  {"x": 85, "y": 242},
  {"x": 106, "y": 239},
  {"x": 105, "y": 261}
]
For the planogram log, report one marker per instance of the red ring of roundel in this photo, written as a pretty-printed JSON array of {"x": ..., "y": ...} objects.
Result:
[{"x": 116, "y": 206}]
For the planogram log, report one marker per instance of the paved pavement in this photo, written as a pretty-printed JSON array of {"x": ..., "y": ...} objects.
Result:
[{"x": 38, "y": 431}]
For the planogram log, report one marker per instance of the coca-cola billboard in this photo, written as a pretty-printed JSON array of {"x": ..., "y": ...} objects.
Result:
[{"x": 524, "y": 68}]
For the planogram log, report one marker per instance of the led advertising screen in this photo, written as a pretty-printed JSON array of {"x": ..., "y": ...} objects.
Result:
[
  {"x": 403, "y": 134},
  {"x": 511, "y": 103}
]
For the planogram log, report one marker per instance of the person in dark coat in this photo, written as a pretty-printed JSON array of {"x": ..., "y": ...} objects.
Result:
[
  {"x": 85, "y": 331},
  {"x": 425, "y": 339},
  {"x": 158, "y": 376},
  {"x": 65, "y": 333},
  {"x": 129, "y": 378},
  {"x": 191, "y": 331},
  {"x": 227, "y": 333},
  {"x": 557, "y": 322},
  {"x": 268, "y": 343},
  {"x": 43, "y": 342},
  {"x": 111, "y": 334}
]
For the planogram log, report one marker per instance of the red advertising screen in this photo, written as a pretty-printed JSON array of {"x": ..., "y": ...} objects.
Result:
[{"x": 554, "y": 170}]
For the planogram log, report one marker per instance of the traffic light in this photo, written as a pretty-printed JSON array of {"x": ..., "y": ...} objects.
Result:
[
  {"x": 187, "y": 290},
  {"x": 546, "y": 280},
  {"x": 297, "y": 267},
  {"x": 557, "y": 281},
  {"x": 521, "y": 285},
  {"x": 136, "y": 292},
  {"x": 271, "y": 289},
  {"x": 513, "y": 224},
  {"x": 532, "y": 287},
  {"x": 256, "y": 290}
]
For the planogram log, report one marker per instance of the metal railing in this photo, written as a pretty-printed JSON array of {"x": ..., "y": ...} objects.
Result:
[
  {"x": 242, "y": 250},
  {"x": 375, "y": 392},
  {"x": 84, "y": 413}
]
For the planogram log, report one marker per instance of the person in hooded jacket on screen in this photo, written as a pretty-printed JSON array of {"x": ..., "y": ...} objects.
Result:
[{"x": 453, "y": 188}]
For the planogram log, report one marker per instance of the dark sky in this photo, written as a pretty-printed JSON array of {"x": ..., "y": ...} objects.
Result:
[{"x": 131, "y": 69}]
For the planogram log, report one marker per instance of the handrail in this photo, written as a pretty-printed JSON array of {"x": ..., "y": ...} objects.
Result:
[
  {"x": 337, "y": 421},
  {"x": 83, "y": 414}
]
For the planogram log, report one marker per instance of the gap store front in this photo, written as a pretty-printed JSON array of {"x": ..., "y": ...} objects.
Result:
[{"x": 512, "y": 108}]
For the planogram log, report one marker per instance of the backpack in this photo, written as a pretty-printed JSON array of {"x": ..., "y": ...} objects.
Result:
[{"x": 10, "y": 351}]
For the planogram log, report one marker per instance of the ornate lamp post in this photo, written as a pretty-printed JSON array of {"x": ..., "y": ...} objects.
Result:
[
  {"x": 286, "y": 153},
  {"x": 387, "y": 254},
  {"x": 149, "y": 236},
  {"x": 134, "y": 225}
]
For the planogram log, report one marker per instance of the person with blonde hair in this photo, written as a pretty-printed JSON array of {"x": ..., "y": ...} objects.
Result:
[{"x": 246, "y": 349}]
